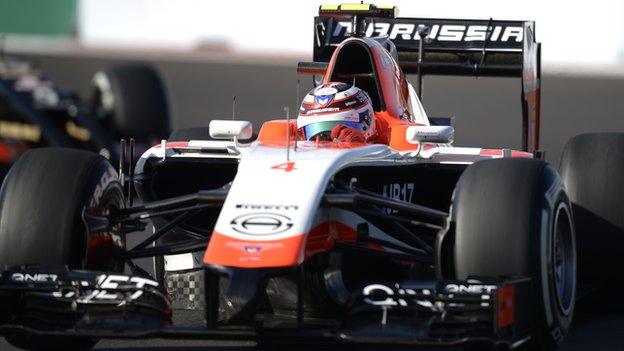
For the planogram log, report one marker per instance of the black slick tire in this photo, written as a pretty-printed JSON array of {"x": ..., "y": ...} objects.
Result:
[
  {"x": 133, "y": 101},
  {"x": 41, "y": 205},
  {"x": 512, "y": 218}
]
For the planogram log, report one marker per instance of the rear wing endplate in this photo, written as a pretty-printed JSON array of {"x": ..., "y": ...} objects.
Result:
[{"x": 462, "y": 47}]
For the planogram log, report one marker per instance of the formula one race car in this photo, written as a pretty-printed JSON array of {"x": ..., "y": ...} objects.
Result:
[
  {"x": 127, "y": 101},
  {"x": 409, "y": 241}
]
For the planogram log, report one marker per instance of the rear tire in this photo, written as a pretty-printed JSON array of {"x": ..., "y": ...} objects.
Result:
[
  {"x": 41, "y": 202},
  {"x": 512, "y": 218},
  {"x": 592, "y": 169},
  {"x": 132, "y": 99}
]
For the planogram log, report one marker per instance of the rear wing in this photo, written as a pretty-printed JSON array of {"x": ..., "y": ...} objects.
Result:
[{"x": 460, "y": 47}]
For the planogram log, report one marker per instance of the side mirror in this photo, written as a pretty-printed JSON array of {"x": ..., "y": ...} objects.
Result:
[
  {"x": 430, "y": 134},
  {"x": 224, "y": 129},
  {"x": 441, "y": 121}
]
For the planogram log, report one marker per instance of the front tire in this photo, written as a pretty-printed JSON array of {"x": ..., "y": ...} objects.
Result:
[
  {"x": 512, "y": 218},
  {"x": 41, "y": 206}
]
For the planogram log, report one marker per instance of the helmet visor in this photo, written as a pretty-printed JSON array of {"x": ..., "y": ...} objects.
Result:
[{"x": 323, "y": 129}]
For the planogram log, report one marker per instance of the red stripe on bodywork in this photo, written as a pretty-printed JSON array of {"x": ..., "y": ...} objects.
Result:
[
  {"x": 521, "y": 154},
  {"x": 227, "y": 251},
  {"x": 499, "y": 153},
  {"x": 491, "y": 152},
  {"x": 173, "y": 145},
  {"x": 322, "y": 237},
  {"x": 506, "y": 306}
]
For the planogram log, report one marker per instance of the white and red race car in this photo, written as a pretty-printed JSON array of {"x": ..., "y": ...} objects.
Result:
[{"x": 409, "y": 241}]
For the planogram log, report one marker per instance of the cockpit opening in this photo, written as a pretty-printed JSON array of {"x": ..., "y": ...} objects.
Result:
[{"x": 354, "y": 65}]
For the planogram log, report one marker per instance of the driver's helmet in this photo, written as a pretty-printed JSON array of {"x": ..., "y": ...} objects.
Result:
[{"x": 331, "y": 104}]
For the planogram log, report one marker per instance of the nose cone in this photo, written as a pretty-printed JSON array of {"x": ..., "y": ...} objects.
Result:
[{"x": 232, "y": 252}]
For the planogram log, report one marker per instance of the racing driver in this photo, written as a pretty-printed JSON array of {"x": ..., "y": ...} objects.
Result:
[{"x": 337, "y": 111}]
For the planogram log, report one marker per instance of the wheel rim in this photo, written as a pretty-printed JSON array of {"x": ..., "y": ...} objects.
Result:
[{"x": 564, "y": 260}]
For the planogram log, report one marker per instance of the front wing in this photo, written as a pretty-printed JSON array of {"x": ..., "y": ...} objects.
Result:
[{"x": 60, "y": 302}]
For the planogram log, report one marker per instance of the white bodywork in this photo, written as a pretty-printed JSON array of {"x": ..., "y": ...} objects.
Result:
[
  {"x": 266, "y": 182},
  {"x": 264, "y": 179},
  {"x": 223, "y": 129}
]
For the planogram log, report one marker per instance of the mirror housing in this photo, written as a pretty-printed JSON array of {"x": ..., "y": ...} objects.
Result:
[
  {"x": 430, "y": 134},
  {"x": 441, "y": 121},
  {"x": 225, "y": 129}
]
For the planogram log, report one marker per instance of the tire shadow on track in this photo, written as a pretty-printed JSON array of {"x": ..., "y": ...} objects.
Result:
[{"x": 598, "y": 323}]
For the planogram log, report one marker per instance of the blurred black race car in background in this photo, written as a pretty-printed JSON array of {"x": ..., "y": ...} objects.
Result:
[{"x": 126, "y": 101}]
